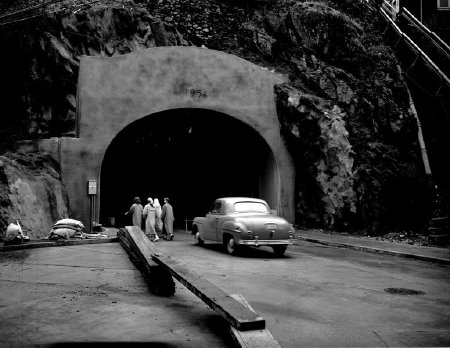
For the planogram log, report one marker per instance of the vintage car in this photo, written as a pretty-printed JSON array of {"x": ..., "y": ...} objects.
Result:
[{"x": 241, "y": 221}]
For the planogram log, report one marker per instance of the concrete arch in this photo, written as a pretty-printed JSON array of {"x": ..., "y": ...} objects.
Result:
[
  {"x": 193, "y": 163},
  {"x": 115, "y": 92}
]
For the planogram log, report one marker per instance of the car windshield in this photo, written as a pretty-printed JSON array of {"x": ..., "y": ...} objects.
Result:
[{"x": 247, "y": 207}]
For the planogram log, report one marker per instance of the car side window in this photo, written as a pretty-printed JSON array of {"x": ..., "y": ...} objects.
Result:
[{"x": 216, "y": 208}]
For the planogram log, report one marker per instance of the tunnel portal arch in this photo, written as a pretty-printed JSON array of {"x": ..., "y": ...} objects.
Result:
[
  {"x": 117, "y": 91},
  {"x": 190, "y": 155}
]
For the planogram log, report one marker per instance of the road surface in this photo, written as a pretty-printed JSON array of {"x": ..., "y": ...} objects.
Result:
[
  {"x": 323, "y": 296},
  {"x": 314, "y": 296}
]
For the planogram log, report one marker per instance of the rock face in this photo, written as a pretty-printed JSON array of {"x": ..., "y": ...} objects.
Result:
[
  {"x": 214, "y": 24},
  {"x": 344, "y": 113},
  {"x": 32, "y": 193},
  {"x": 316, "y": 129},
  {"x": 42, "y": 84},
  {"x": 346, "y": 118}
]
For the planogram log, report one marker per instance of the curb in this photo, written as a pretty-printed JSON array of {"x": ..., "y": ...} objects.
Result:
[
  {"x": 375, "y": 250},
  {"x": 59, "y": 243}
]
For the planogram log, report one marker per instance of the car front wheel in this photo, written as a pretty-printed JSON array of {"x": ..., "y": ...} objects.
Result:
[
  {"x": 198, "y": 240},
  {"x": 231, "y": 246},
  {"x": 279, "y": 249}
]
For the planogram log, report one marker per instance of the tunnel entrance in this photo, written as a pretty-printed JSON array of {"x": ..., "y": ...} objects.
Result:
[{"x": 190, "y": 155}]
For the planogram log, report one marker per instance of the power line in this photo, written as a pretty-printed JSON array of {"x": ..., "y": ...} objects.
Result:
[
  {"x": 50, "y": 2},
  {"x": 43, "y": 13},
  {"x": 21, "y": 19}
]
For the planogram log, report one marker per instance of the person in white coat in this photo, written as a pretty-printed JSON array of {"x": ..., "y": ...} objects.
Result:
[
  {"x": 158, "y": 222},
  {"x": 149, "y": 214}
]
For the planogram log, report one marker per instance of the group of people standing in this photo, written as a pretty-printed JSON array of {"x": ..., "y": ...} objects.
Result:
[{"x": 157, "y": 219}]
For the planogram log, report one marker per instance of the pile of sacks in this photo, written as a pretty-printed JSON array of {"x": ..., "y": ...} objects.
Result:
[
  {"x": 67, "y": 228},
  {"x": 70, "y": 228}
]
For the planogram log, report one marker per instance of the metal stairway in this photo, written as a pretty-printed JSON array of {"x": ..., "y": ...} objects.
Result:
[
  {"x": 425, "y": 60},
  {"x": 417, "y": 48}
]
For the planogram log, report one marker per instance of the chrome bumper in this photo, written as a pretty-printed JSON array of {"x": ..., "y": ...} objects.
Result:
[{"x": 261, "y": 242}]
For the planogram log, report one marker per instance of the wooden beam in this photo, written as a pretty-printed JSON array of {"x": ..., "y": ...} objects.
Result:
[
  {"x": 234, "y": 312},
  {"x": 252, "y": 338},
  {"x": 140, "y": 249}
]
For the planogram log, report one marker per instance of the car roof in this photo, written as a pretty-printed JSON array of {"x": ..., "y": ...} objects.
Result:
[{"x": 240, "y": 199}]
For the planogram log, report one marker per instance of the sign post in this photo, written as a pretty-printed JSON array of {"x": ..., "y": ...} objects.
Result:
[{"x": 92, "y": 192}]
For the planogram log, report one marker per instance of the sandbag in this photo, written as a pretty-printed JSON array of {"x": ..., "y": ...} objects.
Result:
[
  {"x": 70, "y": 222},
  {"x": 62, "y": 233},
  {"x": 12, "y": 231},
  {"x": 72, "y": 227}
]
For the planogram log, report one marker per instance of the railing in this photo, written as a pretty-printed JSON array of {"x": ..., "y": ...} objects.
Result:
[
  {"x": 443, "y": 45},
  {"x": 436, "y": 49},
  {"x": 402, "y": 37},
  {"x": 391, "y": 7}
]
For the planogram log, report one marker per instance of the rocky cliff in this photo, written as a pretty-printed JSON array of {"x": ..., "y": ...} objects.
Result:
[
  {"x": 32, "y": 193},
  {"x": 344, "y": 113},
  {"x": 41, "y": 63}
]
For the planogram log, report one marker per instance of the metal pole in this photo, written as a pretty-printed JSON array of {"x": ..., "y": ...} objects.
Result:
[
  {"x": 421, "y": 140},
  {"x": 420, "y": 11},
  {"x": 94, "y": 211},
  {"x": 90, "y": 215}
]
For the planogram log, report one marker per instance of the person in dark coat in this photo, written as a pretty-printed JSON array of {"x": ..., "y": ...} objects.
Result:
[{"x": 168, "y": 218}]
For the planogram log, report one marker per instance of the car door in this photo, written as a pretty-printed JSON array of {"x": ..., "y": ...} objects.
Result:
[{"x": 212, "y": 221}]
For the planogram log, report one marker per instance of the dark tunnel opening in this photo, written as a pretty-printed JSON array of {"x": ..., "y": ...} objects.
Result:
[{"x": 192, "y": 156}]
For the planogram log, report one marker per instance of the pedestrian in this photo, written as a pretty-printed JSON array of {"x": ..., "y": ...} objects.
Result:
[
  {"x": 158, "y": 222},
  {"x": 149, "y": 214},
  {"x": 168, "y": 219},
  {"x": 136, "y": 210}
]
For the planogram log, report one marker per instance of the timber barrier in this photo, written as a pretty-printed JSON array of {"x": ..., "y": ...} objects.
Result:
[{"x": 246, "y": 326}]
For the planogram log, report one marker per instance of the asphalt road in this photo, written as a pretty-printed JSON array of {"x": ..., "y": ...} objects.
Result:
[
  {"x": 94, "y": 294},
  {"x": 324, "y": 296},
  {"x": 314, "y": 296}
]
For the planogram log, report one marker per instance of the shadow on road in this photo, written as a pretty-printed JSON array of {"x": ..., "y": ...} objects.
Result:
[{"x": 246, "y": 252}]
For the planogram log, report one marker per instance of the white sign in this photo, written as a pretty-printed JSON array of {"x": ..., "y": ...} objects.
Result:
[{"x": 92, "y": 187}]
